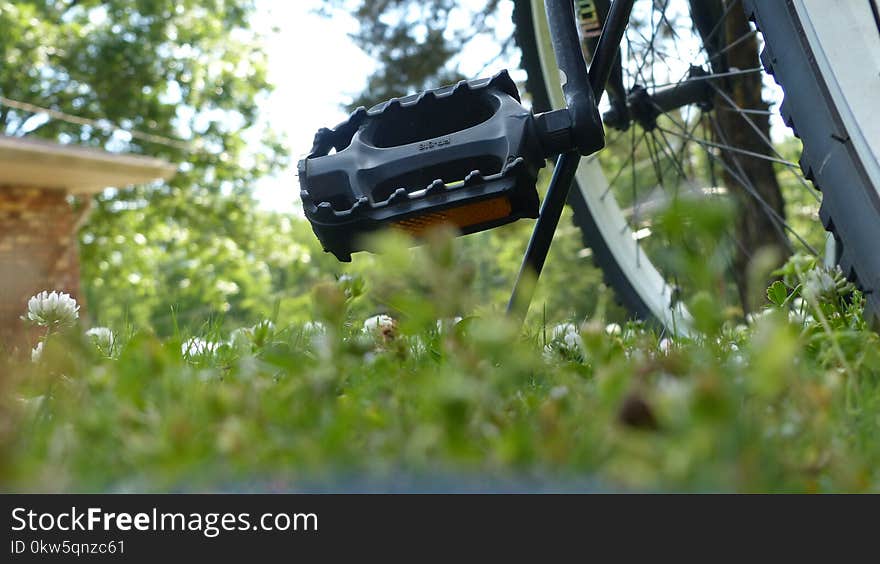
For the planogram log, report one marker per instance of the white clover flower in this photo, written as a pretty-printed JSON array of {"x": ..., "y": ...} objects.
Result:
[
  {"x": 381, "y": 324},
  {"x": 799, "y": 314},
  {"x": 561, "y": 330},
  {"x": 244, "y": 337},
  {"x": 445, "y": 324},
  {"x": 754, "y": 318},
  {"x": 196, "y": 346},
  {"x": 416, "y": 345},
  {"x": 558, "y": 392},
  {"x": 613, "y": 329},
  {"x": 241, "y": 337},
  {"x": 314, "y": 328},
  {"x": 819, "y": 282},
  {"x": 565, "y": 338},
  {"x": 262, "y": 332},
  {"x": 53, "y": 309},
  {"x": 264, "y": 325},
  {"x": 674, "y": 389},
  {"x": 572, "y": 340},
  {"x": 102, "y": 337},
  {"x": 37, "y": 353}
]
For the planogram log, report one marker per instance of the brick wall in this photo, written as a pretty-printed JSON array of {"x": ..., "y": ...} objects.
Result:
[{"x": 38, "y": 251}]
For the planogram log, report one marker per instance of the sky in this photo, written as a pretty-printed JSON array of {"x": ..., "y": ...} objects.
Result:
[{"x": 315, "y": 67}]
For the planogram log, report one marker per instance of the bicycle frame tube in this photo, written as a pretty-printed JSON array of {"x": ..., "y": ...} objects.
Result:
[
  {"x": 581, "y": 89},
  {"x": 609, "y": 44}
]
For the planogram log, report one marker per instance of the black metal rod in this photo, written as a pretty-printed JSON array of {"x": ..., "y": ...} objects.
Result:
[
  {"x": 542, "y": 236},
  {"x": 586, "y": 127},
  {"x": 581, "y": 89},
  {"x": 609, "y": 44},
  {"x": 667, "y": 99}
]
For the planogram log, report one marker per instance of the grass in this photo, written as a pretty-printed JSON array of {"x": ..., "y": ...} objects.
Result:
[{"x": 788, "y": 402}]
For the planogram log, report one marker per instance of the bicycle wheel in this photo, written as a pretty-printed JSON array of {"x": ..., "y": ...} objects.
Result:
[{"x": 828, "y": 103}]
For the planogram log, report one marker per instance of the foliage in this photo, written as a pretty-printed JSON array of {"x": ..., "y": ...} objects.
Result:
[
  {"x": 188, "y": 71},
  {"x": 783, "y": 404}
]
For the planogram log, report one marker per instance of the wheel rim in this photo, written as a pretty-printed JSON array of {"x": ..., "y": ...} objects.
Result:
[{"x": 658, "y": 295}]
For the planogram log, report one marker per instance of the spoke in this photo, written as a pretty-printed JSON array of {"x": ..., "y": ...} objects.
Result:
[
  {"x": 764, "y": 138},
  {"x": 655, "y": 159},
  {"x": 734, "y": 43},
  {"x": 737, "y": 72},
  {"x": 718, "y": 25},
  {"x": 741, "y": 177},
  {"x": 754, "y": 192},
  {"x": 630, "y": 159},
  {"x": 653, "y": 37},
  {"x": 730, "y": 149},
  {"x": 745, "y": 111},
  {"x": 757, "y": 195},
  {"x": 730, "y": 231}
]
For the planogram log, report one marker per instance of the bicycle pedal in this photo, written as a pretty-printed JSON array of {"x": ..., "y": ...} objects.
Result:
[{"x": 466, "y": 155}]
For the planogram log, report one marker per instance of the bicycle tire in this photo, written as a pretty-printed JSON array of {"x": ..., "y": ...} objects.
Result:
[{"x": 838, "y": 155}]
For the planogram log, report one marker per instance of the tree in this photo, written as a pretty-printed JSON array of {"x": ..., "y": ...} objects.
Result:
[{"x": 185, "y": 70}]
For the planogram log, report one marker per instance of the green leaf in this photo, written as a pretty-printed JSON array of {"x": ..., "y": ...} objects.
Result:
[{"x": 777, "y": 293}]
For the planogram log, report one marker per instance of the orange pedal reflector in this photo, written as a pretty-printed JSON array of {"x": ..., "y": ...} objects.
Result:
[{"x": 461, "y": 217}]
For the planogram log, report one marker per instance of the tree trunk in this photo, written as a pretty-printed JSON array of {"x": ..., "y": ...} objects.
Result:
[{"x": 751, "y": 180}]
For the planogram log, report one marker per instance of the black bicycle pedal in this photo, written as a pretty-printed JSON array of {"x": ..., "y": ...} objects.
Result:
[{"x": 467, "y": 155}]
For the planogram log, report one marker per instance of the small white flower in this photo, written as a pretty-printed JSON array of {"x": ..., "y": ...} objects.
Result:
[
  {"x": 241, "y": 337},
  {"x": 381, "y": 324},
  {"x": 227, "y": 287},
  {"x": 37, "y": 352},
  {"x": 674, "y": 389},
  {"x": 102, "y": 337},
  {"x": 565, "y": 338},
  {"x": 196, "y": 346},
  {"x": 265, "y": 324},
  {"x": 444, "y": 324},
  {"x": 314, "y": 328},
  {"x": 561, "y": 330},
  {"x": 799, "y": 314},
  {"x": 613, "y": 329},
  {"x": 754, "y": 318},
  {"x": 665, "y": 345},
  {"x": 53, "y": 309},
  {"x": 258, "y": 334},
  {"x": 819, "y": 282},
  {"x": 262, "y": 331}
]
